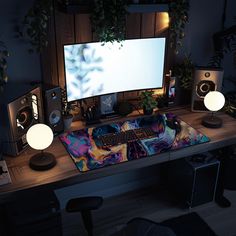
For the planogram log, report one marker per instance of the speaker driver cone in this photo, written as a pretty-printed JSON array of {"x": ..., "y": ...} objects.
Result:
[
  {"x": 54, "y": 117},
  {"x": 204, "y": 87},
  {"x": 24, "y": 118}
]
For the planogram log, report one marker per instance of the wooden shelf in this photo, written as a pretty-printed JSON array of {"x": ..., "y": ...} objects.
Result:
[
  {"x": 132, "y": 8},
  {"x": 147, "y": 8}
]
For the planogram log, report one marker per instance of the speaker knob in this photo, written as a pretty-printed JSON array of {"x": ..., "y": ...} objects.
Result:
[
  {"x": 53, "y": 95},
  {"x": 24, "y": 100}
]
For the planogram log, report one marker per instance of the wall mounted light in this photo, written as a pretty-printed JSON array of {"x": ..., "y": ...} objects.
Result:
[
  {"x": 39, "y": 137},
  {"x": 162, "y": 22},
  {"x": 213, "y": 101}
]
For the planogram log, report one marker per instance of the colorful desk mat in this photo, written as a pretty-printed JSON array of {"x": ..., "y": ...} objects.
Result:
[{"x": 171, "y": 134}]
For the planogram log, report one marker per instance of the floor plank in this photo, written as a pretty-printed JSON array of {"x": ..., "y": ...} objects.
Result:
[{"x": 156, "y": 204}]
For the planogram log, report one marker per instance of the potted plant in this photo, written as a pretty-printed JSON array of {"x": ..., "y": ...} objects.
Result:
[
  {"x": 148, "y": 102},
  {"x": 3, "y": 64},
  {"x": 66, "y": 111},
  {"x": 108, "y": 20}
]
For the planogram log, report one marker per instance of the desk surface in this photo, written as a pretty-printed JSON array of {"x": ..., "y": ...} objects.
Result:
[{"x": 65, "y": 172}]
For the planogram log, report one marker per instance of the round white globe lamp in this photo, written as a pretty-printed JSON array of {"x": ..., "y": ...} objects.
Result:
[
  {"x": 39, "y": 137},
  {"x": 213, "y": 101}
]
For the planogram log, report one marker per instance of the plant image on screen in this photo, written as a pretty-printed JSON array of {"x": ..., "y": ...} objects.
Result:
[
  {"x": 93, "y": 69},
  {"x": 80, "y": 62}
]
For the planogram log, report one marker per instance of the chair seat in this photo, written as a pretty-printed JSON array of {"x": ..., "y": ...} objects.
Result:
[{"x": 83, "y": 204}]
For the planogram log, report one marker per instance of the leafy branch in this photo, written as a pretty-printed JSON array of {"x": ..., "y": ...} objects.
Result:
[
  {"x": 34, "y": 26},
  {"x": 184, "y": 71},
  {"x": 3, "y": 64},
  {"x": 108, "y": 19},
  {"x": 178, "y": 12},
  {"x": 224, "y": 42}
]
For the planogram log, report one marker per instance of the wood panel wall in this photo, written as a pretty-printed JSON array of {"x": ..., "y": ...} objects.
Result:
[{"x": 76, "y": 28}]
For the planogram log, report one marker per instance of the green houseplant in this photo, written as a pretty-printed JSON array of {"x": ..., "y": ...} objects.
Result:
[
  {"x": 3, "y": 64},
  {"x": 108, "y": 18},
  {"x": 148, "y": 102},
  {"x": 184, "y": 72}
]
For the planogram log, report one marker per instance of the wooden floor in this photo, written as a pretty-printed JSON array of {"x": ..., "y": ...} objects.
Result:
[{"x": 154, "y": 204}]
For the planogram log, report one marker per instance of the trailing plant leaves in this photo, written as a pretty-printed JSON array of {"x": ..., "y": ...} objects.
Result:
[
  {"x": 3, "y": 64},
  {"x": 108, "y": 20},
  {"x": 178, "y": 19},
  {"x": 224, "y": 42},
  {"x": 184, "y": 71},
  {"x": 34, "y": 26}
]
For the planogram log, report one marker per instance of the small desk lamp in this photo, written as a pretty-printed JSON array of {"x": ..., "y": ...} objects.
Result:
[
  {"x": 213, "y": 101},
  {"x": 39, "y": 137}
]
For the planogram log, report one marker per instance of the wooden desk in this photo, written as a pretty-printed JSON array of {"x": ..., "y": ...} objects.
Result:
[{"x": 65, "y": 173}]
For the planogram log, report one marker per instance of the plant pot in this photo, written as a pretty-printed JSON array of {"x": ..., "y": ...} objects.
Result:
[
  {"x": 147, "y": 111},
  {"x": 67, "y": 119}
]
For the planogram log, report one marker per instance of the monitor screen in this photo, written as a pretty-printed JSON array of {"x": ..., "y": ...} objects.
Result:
[{"x": 93, "y": 69}]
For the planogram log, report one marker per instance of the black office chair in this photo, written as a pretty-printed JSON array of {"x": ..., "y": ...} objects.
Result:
[{"x": 85, "y": 205}]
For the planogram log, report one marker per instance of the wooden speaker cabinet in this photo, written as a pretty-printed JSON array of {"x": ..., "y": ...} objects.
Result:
[{"x": 20, "y": 108}]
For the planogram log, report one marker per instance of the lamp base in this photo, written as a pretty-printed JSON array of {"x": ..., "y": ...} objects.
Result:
[
  {"x": 42, "y": 161},
  {"x": 210, "y": 121}
]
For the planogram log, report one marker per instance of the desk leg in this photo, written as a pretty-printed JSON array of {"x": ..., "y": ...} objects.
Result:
[
  {"x": 219, "y": 196},
  {"x": 3, "y": 221}
]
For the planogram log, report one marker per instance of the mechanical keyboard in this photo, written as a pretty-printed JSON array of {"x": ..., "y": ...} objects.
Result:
[{"x": 113, "y": 139}]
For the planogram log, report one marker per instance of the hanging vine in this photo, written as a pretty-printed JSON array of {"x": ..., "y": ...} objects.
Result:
[
  {"x": 178, "y": 12},
  {"x": 34, "y": 27},
  {"x": 3, "y": 64},
  {"x": 108, "y": 18}
]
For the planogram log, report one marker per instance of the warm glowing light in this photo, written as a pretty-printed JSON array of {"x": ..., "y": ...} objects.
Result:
[
  {"x": 162, "y": 21},
  {"x": 159, "y": 91},
  {"x": 214, "y": 101},
  {"x": 39, "y": 136},
  {"x": 165, "y": 19}
]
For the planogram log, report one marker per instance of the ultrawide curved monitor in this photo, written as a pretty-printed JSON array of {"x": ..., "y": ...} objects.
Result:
[{"x": 93, "y": 69}]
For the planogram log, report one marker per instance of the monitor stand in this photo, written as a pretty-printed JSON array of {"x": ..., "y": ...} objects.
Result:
[
  {"x": 107, "y": 104},
  {"x": 93, "y": 122}
]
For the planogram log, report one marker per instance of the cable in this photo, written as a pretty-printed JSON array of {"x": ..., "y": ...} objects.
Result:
[
  {"x": 223, "y": 16},
  {"x": 1, "y": 150}
]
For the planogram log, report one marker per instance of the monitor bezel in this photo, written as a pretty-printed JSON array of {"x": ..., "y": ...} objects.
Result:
[{"x": 124, "y": 91}]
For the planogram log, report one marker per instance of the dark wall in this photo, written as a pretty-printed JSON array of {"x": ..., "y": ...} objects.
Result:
[
  {"x": 205, "y": 19},
  {"x": 22, "y": 66}
]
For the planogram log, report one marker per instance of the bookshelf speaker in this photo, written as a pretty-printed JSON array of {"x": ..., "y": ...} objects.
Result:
[
  {"x": 19, "y": 109},
  {"x": 205, "y": 80},
  {"x": 53, "y": 108}
]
